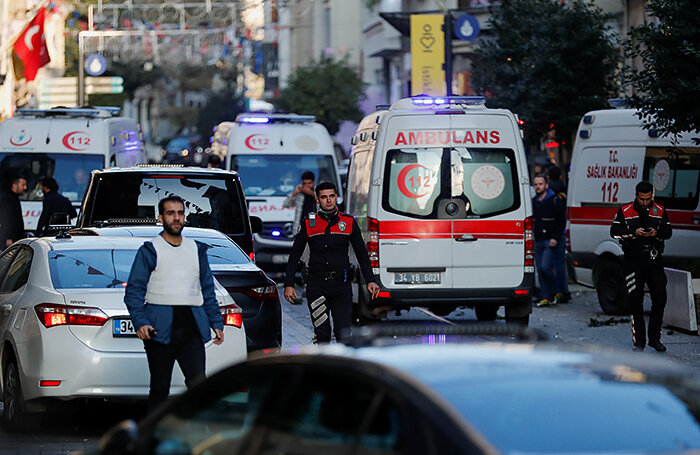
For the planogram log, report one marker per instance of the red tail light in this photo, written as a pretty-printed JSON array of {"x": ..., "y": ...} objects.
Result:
[
  {"x": 232, "y": 315},
  {"x": 48, "y": 383},
  {"x": 373, "y": 242},
  {"x": 251, "y": 255},
  {"x": 52, "y": 314},
  {"x": 529, "y": 245},
  {"x": 260, "y": 293}
]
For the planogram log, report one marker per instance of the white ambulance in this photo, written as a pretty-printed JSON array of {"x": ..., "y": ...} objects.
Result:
[
  {"x": 440, "y": 188},
  {"x": 66, "y": 144},
  {"x": 270, "y": 152},
  {"x": 611, "y": 155}
]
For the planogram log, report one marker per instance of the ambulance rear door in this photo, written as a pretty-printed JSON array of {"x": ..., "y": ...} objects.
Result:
[
  {"x": 415, "y": 243},
  {"x": 487, "y": 245}
]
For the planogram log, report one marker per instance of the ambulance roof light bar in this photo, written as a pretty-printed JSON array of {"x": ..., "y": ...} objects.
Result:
[
  {"x": 617, "y": 103},
  {"x": 259, "y": 119},
  {"x": 97, "y": 111},
  {"x": 423, "y": 100}
]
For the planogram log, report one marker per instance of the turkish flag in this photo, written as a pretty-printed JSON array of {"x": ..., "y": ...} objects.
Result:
[{"x": 31, "y": 48}]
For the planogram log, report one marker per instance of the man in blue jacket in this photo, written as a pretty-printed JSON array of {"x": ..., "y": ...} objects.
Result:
[
  {"x": 170, "y": 297},
  {"x": 549, "y": 221}
]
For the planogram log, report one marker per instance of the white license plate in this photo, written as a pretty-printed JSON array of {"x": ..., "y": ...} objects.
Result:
[
  {"x": 280, "y": 258},
  {"x": 123, "y": 328},
  {"x": 417, "y": 278}
]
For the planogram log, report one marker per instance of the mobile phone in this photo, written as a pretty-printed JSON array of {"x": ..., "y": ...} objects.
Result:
[
  {"x": 151, "y": 333},
  {"x": 647, "y": 229}
]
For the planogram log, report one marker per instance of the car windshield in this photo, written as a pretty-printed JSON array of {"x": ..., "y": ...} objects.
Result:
[
  {"x": 104, "y": 268},
  {"x": 277, "y": 175},
  {"x": 109, "y": 268},
  {"x": 210, "y": 201},
  {"x": 591, "y": 415},
  {"x": 71, "y": 171}
]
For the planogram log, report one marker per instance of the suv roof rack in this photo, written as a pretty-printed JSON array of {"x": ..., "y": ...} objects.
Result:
[
  {"x": 127, "y": 222},
  {"x": 262, "y": 118},
  {"x": 88, "y": 111}
]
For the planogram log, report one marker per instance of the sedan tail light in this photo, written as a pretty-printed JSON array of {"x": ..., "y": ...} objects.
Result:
[
  {"x": 259, "y": 293},
  {"x": 232, "y": 315},
  {"x": 52, "y": 314}
]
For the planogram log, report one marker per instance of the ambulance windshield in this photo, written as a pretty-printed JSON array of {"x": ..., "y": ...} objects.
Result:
[
  {"x": 278, "y": 175},
  {"x": 482, "y": 181},
  {"x": 71, "y": 171}
]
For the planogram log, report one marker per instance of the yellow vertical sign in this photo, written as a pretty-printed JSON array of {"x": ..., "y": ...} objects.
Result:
[{"x": 427, "y": 54}]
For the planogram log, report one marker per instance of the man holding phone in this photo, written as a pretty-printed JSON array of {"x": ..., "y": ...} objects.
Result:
[
  {"x": 641, "y": 227},
  {"x": 171, "y": 299}
]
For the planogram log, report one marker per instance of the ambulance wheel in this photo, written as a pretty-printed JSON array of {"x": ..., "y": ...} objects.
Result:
[
  {"x": 522, "y": 320},
  {"x": 486, "y": 312},
  {"x": 612, "y": 294},
  {"x": 518, "y": 312},
  {"x": 442, "y": 310}
]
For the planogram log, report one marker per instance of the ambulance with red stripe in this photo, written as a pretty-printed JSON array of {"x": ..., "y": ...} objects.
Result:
[
  {"x": 66, "y": 144},
  {"x": 440, "y": 188},
  {"x": 611, "y": 155}
]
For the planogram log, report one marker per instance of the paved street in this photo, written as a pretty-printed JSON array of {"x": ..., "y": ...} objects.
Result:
[{"x": 580, "y": 322}]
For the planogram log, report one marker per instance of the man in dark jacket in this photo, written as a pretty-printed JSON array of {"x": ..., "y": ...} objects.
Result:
[
  {"x": 172, "y": 303},
  {"x": 555, "y": 184},
  {"x": 549, "y": 221},
  {"x": 641, "y": 227},
  {"x": 54, "y": 203},
  {"x": 11, "y": 221},
  {"x": 329, "y": 233}
]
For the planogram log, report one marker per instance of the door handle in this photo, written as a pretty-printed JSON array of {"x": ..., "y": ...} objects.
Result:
[
  {"x": 467, "y": 238},
  {"x": 6, "y": 308}
]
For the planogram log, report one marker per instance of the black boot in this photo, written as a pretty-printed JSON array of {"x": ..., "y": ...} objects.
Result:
[{"x": 656, "y": 344}]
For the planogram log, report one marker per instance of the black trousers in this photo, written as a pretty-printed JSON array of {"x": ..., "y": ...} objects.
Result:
[
  {"x": 338, "y": 304},
  {"x": 641, "y": 271},
  {"x": 187, "y": 349}
]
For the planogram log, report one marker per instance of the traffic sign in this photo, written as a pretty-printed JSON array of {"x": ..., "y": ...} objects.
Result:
[
  {"x": 95, "y": 65},
  {"x": 467, "y": 27}
]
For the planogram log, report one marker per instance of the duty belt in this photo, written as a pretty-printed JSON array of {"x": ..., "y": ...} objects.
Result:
[
  {"x": 328, "y": 275},
  {"x": 651, "y": 250}
]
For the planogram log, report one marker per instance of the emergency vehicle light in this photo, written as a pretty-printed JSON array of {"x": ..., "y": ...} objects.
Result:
[
  {"x": 274, "y": 118},
  {"x": 617, "y": 103},
  {"x": 253, "y": 119},
  {"x": 443, "y": 100}
]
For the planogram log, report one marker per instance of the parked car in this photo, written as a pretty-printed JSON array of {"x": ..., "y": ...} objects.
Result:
[
  {"x": 213, "y": 199},
  {"x": 249, "y": 287},
  {"x": 434, "y": 397},
  {"x": 65, "y": 332}
]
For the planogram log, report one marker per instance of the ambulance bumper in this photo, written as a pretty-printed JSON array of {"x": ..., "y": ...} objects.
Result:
[{"x": 456, "y": 296}]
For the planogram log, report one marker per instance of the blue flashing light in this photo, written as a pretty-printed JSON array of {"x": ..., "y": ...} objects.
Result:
[
  {"x": 254, "y": 120},
  {"x": 443, "y": 100},
  {"x": 617, "y": 103},
  {"x": 276, "y": 233}
]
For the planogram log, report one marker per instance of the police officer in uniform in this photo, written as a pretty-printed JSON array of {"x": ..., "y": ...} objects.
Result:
[
  {"x": 328, "y": 233},
  {"x": 642, "y": 226}
]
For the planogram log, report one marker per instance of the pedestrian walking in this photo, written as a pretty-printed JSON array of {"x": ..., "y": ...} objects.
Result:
[
  {"x": 329, "y": 233},
  {"x": 303, "y": 199},
  {"x": 549, "y": 221},
  {"x": 11, "y": 221},
  {"x": 641, "y": 227},
  {"x": 54, "y": 203},
  {"x": 170, "y": 297}
]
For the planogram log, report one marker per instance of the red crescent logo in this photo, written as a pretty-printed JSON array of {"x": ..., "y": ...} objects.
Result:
[
  {"x": 256, "y": 141},
  {"x": 20, "y": 139},
  {"x": 401, "y": 181},
  {"x": 76, "y": 140}
]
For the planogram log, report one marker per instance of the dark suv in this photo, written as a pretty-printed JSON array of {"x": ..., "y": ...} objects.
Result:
[{"x": 213, "y": 199}]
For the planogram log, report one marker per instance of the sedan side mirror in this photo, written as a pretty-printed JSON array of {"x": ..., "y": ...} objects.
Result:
[{"x": 256, "y": 224}]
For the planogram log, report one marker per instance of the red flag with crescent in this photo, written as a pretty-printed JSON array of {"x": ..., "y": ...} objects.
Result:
[{"x": 31, "y": 48}]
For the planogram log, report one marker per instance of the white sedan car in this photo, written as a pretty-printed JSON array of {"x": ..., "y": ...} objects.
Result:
[{"x": 65, "y": 331}]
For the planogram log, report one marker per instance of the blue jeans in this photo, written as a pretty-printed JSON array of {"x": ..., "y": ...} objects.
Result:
[
  {"x": 544, "y": 262},
  {"x": 560, "y": 265}
]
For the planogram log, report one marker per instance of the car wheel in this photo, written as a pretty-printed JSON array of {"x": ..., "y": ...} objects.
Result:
[
  {"x": 486, "y": 312},
  {"x": 612, "y": 293},
  {"x": 13, "y": 416}
]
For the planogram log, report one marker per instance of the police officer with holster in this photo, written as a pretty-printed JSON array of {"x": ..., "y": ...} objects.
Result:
[
  {"x": 328, "y": 233},
  {"x": 642, "y": 226}
]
